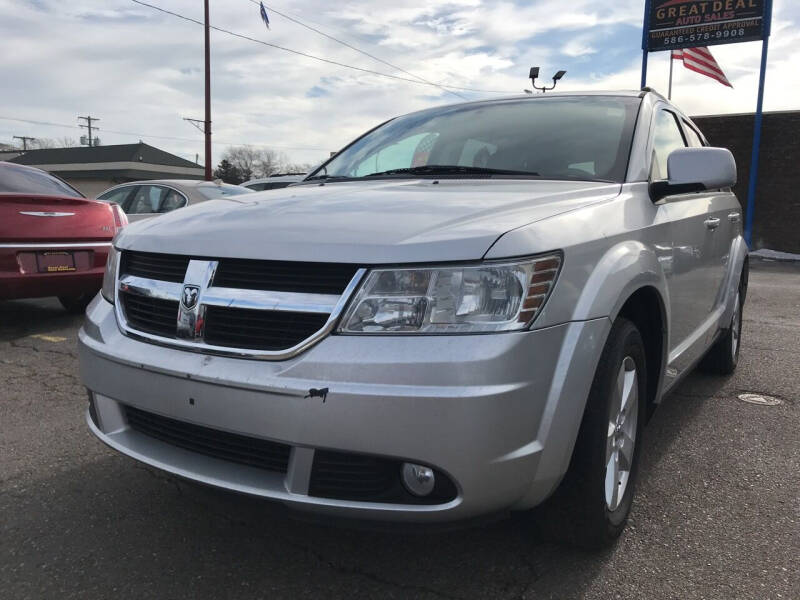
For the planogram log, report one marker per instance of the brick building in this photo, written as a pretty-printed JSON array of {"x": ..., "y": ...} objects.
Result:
[{"x": 776, "y": 223}]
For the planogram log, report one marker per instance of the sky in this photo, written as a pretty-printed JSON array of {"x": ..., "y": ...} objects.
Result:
[{"x": 140, "y": 71}]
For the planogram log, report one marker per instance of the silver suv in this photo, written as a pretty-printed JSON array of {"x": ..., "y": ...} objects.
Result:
[{"x": 470, "y": 309}]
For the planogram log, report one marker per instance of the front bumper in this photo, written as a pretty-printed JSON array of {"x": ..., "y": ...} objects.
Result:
[{"x": 497, "y": 414}]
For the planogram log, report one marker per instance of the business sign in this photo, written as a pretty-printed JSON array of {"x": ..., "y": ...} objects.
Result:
[{"x": 688, "y": 23}]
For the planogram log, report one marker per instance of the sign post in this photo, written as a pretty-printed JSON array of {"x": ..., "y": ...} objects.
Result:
[
  {"x": 751, "y": 187},
  {"x": 674, "y": 24}
]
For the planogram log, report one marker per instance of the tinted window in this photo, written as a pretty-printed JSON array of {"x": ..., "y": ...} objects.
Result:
[
  {"x": 170, "y": 200},
  {"x": 25, "y": 180},
  {"x": 666, "y": 138},
  {"x": 560, "y": 137},
  {"x": 146, "y": 200},
  {"x": 119, "y": 195},
  {"x": 692, "y": 136}
]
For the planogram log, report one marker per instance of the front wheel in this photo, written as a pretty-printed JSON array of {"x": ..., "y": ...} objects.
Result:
[{"x": 591, "y": 506}]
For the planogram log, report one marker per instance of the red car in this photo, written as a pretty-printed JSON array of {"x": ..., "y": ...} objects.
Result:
[{"x": 53, "y": 241}]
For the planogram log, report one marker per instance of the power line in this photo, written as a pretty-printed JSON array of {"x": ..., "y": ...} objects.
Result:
[
  {"x": 162, "y": 137},
  {"x": 348, "y": 45},
  {"x": 311, "y": 56}
]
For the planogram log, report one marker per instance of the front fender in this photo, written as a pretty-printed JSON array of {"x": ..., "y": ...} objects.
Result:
[{"x": 623, "y": 269}]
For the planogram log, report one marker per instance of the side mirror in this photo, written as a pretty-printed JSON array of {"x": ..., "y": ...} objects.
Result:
[{"x": 696, "y": 170}]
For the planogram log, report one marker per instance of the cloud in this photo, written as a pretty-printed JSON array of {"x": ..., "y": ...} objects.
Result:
[{"x": 141, "y": 71}]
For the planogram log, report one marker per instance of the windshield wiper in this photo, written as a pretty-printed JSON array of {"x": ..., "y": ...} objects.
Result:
[
  {"x": 451, "y": 170},
  {"x": 323, "y": 178}
]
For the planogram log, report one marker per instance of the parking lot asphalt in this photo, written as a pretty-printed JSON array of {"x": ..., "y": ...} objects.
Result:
[{"x": 717, "y": 513}]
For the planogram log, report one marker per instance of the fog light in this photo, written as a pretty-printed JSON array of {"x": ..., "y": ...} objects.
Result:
[{"x": 417, "y": 479}]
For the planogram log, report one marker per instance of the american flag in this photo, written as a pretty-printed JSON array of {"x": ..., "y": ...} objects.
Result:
[
  {"x": 700, "y": 61},
  {"x": 423, "y": 150},
  {"x": 264, "y": 16}
]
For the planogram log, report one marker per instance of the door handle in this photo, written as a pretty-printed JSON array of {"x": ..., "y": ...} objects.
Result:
[
  {"x": 711, "y": 223},
  {"x": 734, "y": 217}
]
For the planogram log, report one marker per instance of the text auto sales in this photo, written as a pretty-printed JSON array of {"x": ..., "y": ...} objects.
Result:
[{"x": 704, "y": 12}]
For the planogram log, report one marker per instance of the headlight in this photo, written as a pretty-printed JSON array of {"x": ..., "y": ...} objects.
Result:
[
  {"x": 110, "y": 275},
  {"x": 496, "y": 296}
]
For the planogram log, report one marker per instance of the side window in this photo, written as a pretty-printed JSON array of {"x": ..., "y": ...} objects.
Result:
[
  {"x": 666, "y": 138},
  {"x": 171, "y": 200},
  {"x": 692, "y": 136},
  {"x": 118, "y": 195},
  {"x": 145, "y": 201}
]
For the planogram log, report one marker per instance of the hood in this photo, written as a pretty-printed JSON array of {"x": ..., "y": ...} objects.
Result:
[{"x": 365, "y": 222}]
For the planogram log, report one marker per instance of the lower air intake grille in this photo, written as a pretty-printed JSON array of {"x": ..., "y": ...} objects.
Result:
[
  {"x": 151, "y": 315},
  {"x": 245, "y": 450},
  {"x": 346, "y": 476},
  {"x": 259, "y": 329}
]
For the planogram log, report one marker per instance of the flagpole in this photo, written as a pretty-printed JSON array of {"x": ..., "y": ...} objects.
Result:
[
  {"x": 669, "y": 91},
  {"x": 207, "y": 122}
]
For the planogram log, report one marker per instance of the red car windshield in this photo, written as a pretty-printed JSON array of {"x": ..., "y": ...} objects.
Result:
[{"x": 17, "y": 179}]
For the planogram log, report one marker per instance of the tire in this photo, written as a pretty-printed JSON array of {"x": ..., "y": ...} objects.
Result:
[
  {"x": 591, "y": 506},
  {"x": 723, "y": 356},
  {"x": 76, "y": 304}
]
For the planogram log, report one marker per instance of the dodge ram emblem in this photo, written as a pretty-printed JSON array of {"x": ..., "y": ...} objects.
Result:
[{"x": 189, "y": 296}]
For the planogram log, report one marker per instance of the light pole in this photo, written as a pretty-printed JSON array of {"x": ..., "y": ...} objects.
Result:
[
  {"x": 207, "y": 120},
  {"x": 534, "y": 73}
]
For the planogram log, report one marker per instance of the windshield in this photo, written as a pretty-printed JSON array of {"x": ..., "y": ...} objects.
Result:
[
  {"x": 222, "y": 190},
  {"x": 567, "y": 137}
]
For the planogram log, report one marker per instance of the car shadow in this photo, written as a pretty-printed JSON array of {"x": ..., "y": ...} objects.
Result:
[{"x": 23, "y": 318}]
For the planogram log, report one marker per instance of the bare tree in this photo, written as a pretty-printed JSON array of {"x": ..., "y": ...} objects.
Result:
[
  {"x": 42, "y": 143},
  {"x": 298, "y": 167},
  {"x": 253, "y": 162},
  {"x": 242, "y": 158},
  {"x": 66, "y": 142},
  {"x": 271, "y": 162}
]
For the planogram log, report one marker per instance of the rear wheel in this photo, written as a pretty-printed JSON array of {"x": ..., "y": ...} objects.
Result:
[
  {"x": 723, "y": 356},
  {"x": 76, "y": 304},
  {"x": 591, "y": 506}
]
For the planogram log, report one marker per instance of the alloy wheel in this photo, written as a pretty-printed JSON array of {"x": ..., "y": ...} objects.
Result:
[{"x": 621, "y": 437}]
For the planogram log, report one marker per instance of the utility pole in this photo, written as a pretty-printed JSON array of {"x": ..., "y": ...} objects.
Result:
[
  {"x": 88, "y": 126},
  {"x": 25, "y": 141},
  {"x": 207, "y": 121}
]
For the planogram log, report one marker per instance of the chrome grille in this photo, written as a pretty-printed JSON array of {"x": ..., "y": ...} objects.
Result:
[
  {"x": 280, "y": 276},
  {"x": 164, "y": 267},
  {"x": 152, "y": 315},
  {"x": 265, "y": 309},
  {"x": 259, "y": 329}
]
